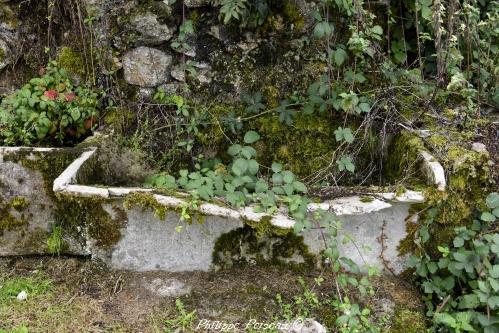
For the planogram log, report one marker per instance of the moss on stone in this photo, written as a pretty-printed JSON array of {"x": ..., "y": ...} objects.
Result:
[
  {"x": 117, "y": 118},
  {"x": 49, "y": 164},
  {"x": 88, "y": 213},
  {"x": 8, "y": 17},
  {"x": 71, "y": 60},
  {"x": 469, "y": 181},
  {"x": 9, "y": 220},
  {"x": 121, "y": 29},
  {"x": 366, "y": 199},
  {"x": 437, "y": 141},
  {"x": 212, "y": 134},
  {"x": 245, "y": 246},
  {"x": 305, "y": 148},
  {"x": 19, "y": 203},
  {"x": 266, "y": 66},
  {"x": 408, "y": 321},
  {"x": 404, "y": 155},
  {"x": 145, "y": 201},
  {"x": 106, "y": 230},
  {"x": 293, "y": 15},
  {"x": 73, "y": 214},
  {"x": 264, "y": 227},
  {"x": 272, "y": 96}
]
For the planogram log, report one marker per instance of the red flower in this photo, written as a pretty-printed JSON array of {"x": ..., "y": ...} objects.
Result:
[
  {"x": 51, "y": 94},
  {"x": 70, "y": 97}
]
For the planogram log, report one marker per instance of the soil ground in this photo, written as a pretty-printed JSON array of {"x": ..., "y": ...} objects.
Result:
[{"x": 76, "y": 295}]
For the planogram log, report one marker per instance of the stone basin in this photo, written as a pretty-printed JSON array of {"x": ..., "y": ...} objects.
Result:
[{"x": 140, "y": 230}]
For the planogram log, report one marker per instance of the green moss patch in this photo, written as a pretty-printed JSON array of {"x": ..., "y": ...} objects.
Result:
[
  {"x": 8, "y": 17},
  {"x": 71, "y": 60},
  {"x": 74, "y": 213},
  {"x": 469, "y": 180},
  {"x": 245, "y": 246},
  {"x": 145, "y": 201},
  {"x": 408, "y": 321},
  {"x": 403, "y": 158},
  {"x": 49, "y": 164}
]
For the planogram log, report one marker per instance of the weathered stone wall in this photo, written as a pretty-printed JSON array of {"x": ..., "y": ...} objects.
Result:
[
  {"x": 135, "y": 38},
  {"x": 129, "y": 48}
]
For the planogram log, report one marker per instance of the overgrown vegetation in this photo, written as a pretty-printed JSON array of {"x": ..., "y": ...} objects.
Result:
[
  {"x": 381, "y": 67},
  {"x": 461, "y": 285},
  {"x": 48, "y": 110},
  {"x": 445, "y": 73}
]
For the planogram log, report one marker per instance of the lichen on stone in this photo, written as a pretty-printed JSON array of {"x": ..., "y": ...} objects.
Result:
[{"x": 11, "y": 217}]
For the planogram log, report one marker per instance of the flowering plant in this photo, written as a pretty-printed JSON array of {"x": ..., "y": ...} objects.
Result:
[{"x": 48, "y": 110}]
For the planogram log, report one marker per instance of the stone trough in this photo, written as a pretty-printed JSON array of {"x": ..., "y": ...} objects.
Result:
[{"x": 137, "y": 229}]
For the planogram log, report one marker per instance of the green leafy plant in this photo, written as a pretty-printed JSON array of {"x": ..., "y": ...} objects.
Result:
[
  {"x": 245, "y": 13},
  {"x": 48, "y": 110},
  {"x": 184, "y": 320},
  {"x": 180, "y": 43},
  {"x": 187, "y": 121},
  {"x": 346, "y": 163},
  {"x": 344, "y": 134},
  {"x": 323, "y": 28},
  {"x": 237, "y": 183},
  {"x": 461, "y": 286},
  {"x": 232, "y": 10},
  {"x": 353, "y": 318},
  {"x": 302, "y": 305},
  {"x": 254, "y": 102}
]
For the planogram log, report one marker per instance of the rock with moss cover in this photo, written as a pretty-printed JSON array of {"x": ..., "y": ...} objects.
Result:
[
  {"x": 146, "y": 67},
  {"x": 4, "y": 54},
  {"x": 8, "y": 25},
  {"x": 9, "y": 34},
  {"x": 8, "y": 19},
  {"x": 196, "y": 3},
  {"x": 150, "y": 29}
]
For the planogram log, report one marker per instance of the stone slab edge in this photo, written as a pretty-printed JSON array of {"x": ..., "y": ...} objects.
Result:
[
  {"x": 434, "y": 171},
  {"x": 10, "y": 150}
]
